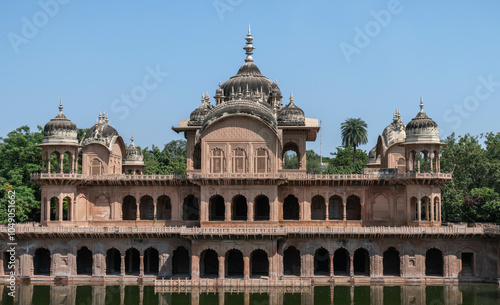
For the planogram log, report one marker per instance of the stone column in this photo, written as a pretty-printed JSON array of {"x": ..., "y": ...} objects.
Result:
[
  {"x": 122, "y": 265},
  {"x": 60, "y": 208},
  {"x": 250, "y": 211},
  {"x": 47, "y": 210},
  {"x": 155, "y": 207},
  {"x": 48, "y": 162},
  {"x": 195, "y": 267},
  {"x": 351, "y": 265},
  {"x": 61, "y": 160},
  {"x": 432, "y": 209},
  {"x": 418, "y": 163},
  {"x": 344, "y": 215},
  {"x": 227, "y": 211},
  {"x": 419, "y": 209},
  {"x": 246, "y": 268},
  {"x": 432, "y": 161},
  {"x": 326, "y": 209},
  {"x": 138, "y": 210},
  {"x": 141, "y": 265},
  {"x": 331, "y": 266},
  {"x": 222, "y": 271}
]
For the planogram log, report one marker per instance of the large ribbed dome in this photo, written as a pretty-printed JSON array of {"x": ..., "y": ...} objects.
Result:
[
  {"x": 60, "y": 130},
  {"x": 422, "y": 128},
  {"x": 248, "y": 78}
]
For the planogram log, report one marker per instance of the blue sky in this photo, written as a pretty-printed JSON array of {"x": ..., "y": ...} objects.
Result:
[{"x": 341, "y": 59}]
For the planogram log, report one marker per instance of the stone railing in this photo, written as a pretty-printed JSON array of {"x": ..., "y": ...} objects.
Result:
[
  {"x": 182, "y": 230},
  {"x": 282, "y": 175}
]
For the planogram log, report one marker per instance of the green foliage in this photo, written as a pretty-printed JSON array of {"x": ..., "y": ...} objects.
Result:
[
  {"x": 170, "y": 160},
  {"x": 19, "y": 157},
  {"x": 341, "y": 163},
  {"x": 354, "y": 133},
  {"x": 313, "y": 162},
  {"x": 290, "y": 160},
  {"x": 472, "y": 195}
]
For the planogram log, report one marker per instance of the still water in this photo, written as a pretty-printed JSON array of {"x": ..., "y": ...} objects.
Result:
[{"x": 149, "y": 295}]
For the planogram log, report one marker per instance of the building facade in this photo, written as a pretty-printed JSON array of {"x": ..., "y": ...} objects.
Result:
[{"x": 237, "y": 214}]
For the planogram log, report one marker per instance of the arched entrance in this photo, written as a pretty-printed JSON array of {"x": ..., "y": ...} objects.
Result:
[
  {"x": 42, "y": 262},
  {"x": 353, "y": 208},
  {"x": 84, "y": 261},
  {"x": 209, "y": 263},
  {"x": 146, "y": 208},
  {"x": 261, "y": 208},
  {"x": 217, "y": 208},
  {"x": 129, "y": 208},
  {"x": 321, "y": 262},
  {"x": 341, "y": 262},
  {"x": 151, "y": 261},
  {"x": 318, "y": 208},
  {"x": 164, "y": 208},
  {"x": 361, "y": 262},
  {"x": 434, "y": 262},
  {"x": 191, "y": 208},
  {"x": 234, "y": 263},
  {"x": 291, "y": 261},
  {"x": 181, "y": 262},
  {"x": 132, "y": 261},
  {"x": 391, "y": 262},
  {"x": 239, "y": 208},
  {"x": 259, "y": 263},
  {"x": 113, "y": 261}
]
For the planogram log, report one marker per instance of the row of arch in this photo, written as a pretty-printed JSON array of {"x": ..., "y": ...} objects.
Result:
[
  {"x": 425, "y": 209},
  {"x": 234, "y": 265}
]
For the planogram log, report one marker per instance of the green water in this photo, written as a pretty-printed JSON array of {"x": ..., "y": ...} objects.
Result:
[{"x": 319, "y": 295}]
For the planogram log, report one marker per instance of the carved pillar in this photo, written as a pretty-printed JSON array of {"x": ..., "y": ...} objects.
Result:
[
  {"x": 250, "y": 211},
  {"x": 47, "y": 210},
  {"x": 419, "y": 209},
  {"x": 60, "y": 208},
  {"x": 227, "y": 211},
  {"x": 122, "y": 265},
  {"x": 141, "y": 265},
  {"x": 344, "y": 212},
  {"x": 351, "y": 265},
  {"x": 432, "y": 161},
  {"x": 222, "y": 271},
  {"x": 246, "y": 268},
  {"x": 327, "y": 216},
  {"x": 48, "y": 162},
  {"x": 418, "y": 163},
  {"x": 195, "y": 267},
  {"x": 138, "y": 210},
  {"x": 432, "y": 209},
  {"x": 155, "y": 207},
  {"x": 61, "y": 162},
  {"x": 331, "y": 266}
]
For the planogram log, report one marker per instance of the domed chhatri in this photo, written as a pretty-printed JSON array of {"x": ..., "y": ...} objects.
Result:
[
  {"x": 198, "y": 115},
  {"x": 101, "y": 133},
  {"x": 291, "y": 115},
  {"x": 248, "y": 78},
  {"x": 422, "y": 129},
  {"x": 394, "y": 132},
  {"x": 133, "y": 154},
  {"x": 60, "y": 130}
]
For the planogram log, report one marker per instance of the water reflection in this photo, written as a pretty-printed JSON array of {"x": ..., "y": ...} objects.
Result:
[{"x": 319, "y": 295}]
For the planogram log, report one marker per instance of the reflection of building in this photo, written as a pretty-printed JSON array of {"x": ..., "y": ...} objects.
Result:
[{"x": 237, "y": 213}]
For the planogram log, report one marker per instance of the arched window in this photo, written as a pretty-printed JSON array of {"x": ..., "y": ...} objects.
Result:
[
  {"x": 239, "y": 161},
  {"x": 129, "y": 208},
  {"x": 318, "y": 208},
  {"x": 353, "y": 208},
  {"x": 261, "y": 208},
  {"x": 181, "y": 262},
  {"x": 291, "y": 208},
  {"x": 335, "y": 208},
  {"x": 96, "y": 167},
  {"x": 216, "y": 160},
  {"x": 414, "y": 208},
  {"x": 291, "y": 156},
  {"x": 217, "y": 208},
  {"x": 261, "y": 161},
  {"x": 197, "y": 156},
  {"x": 146, "y": 208},
  {"x": 164, "y": 208},
  {"x": 234, "y": 263},
  {"x": 239, "y": 208},
  {"x": 190, "y": 208},
  {"x": 209, "y": 263},
  {"x": 391, "y": 262}
]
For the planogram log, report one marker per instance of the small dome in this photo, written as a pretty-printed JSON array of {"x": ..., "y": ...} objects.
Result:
[
  {"x": 101, "y": 133},
  {"x": 60, "y": 130},
  {"x": 372, "y": 156},
  {"x": 133, "y": 154},
  {"x": 422, "y": 128},
  {"x": 394, "y": 132},
  {"x": 291, "y": 115},
  {"x": 198, "y": 115}
]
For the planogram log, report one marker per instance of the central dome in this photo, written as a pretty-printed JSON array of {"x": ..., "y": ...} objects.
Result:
[{"x": 249, "y": 78}]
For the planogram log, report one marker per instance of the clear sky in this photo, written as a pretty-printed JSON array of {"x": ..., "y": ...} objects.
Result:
[{"x": 341, "y": 59}]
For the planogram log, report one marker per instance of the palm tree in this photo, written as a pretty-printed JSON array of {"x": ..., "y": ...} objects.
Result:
[{"x": 354, "y": 134}]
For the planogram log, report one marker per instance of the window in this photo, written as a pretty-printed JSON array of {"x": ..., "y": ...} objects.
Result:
[
  {"x": 95, "y": 167},
  {"x": 261, "y": 161},
  {"x": 217, "y": 161},
  {"x": 239, "y": 161}
]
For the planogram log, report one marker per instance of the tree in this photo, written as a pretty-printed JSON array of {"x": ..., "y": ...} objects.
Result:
[
  {"x": 170, "y": 160},
  {"x": 354, "y": 134},
  {"x": 341, "y": 162}
]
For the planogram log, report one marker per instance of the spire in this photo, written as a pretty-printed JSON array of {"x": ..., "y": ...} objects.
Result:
[
  {"x": 100, "y": 116},
  {"x": 60, "y": 106},
  {"x": 107, "y": 119},
  {"x": 132, "y": 139},
  {"x": 249, "y": 47},
  {"x": 203, "y": 97},
  {"x": 421, "y": 104},
  {"x": 291, "y": 97}
]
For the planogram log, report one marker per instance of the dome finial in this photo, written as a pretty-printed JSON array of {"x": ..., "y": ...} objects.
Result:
[
  {"x": 291, "y": 97},
  {"x": 60, "y": 106},
  {"x": 132, "y": 138},
  {"x": 107, "y": 119},
  {"x": 249, "y": 47},
  {"x": 421, "y": 104},
  {"x": 100, "y": 116}
]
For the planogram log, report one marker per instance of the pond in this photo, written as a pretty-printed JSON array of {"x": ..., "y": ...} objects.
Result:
[{"x": 150, "y": 295}]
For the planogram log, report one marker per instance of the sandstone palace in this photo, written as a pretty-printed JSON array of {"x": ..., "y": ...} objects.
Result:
[{"x": 237, "y": 217}]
